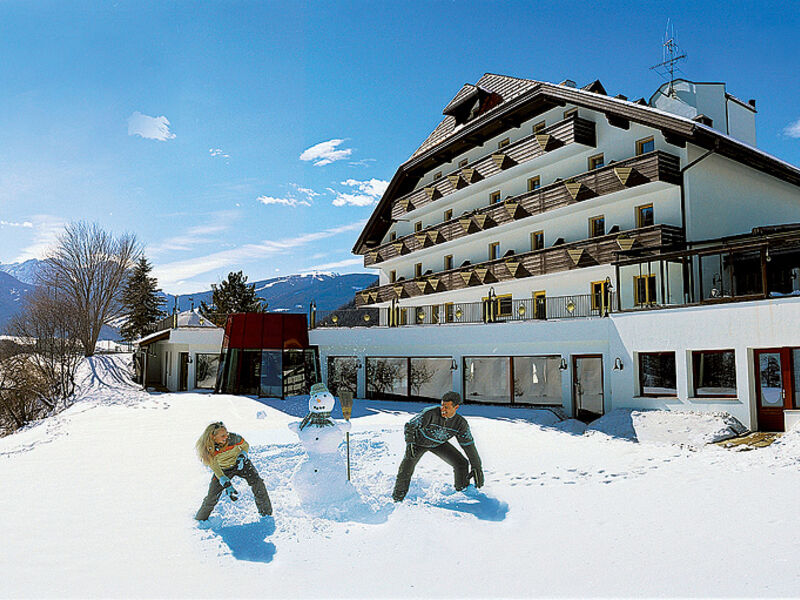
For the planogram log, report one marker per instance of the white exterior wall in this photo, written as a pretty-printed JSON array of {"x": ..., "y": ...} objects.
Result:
[
  {"x": 725, "y": 197},
  {"x": 742, "y": 327},
  {"x": 194, "y": 341},
  {"x": 741, "y": 122}
]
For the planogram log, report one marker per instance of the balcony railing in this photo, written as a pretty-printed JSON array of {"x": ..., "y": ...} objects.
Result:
[
  {"x": 168, "y": 322},
  {"x": 570, "y": 130},
  {"x": 654, "y": 166},
  {"x": 498, "y": 310},
  {"x": 588, "y": 252}
]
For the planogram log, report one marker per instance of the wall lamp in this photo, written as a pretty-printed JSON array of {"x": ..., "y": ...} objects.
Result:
[
  {"x": 563, "y": 365},
  {"x": 453, "y": 365},
  {"x": 618, "y": 364}
]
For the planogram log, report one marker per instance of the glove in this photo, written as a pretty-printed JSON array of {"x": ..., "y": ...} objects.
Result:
[
  {"x": 410, "y": 450},
  {"x": 477, "y": 473},
  {"x": 228, "y": 488},
  {"x": 240, "y": 460}
]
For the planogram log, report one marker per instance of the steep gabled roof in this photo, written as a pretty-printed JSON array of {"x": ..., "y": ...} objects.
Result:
[{"x": 524, "y": 98}]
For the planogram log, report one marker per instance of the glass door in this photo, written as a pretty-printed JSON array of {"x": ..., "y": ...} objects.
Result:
[
  {"x": 776, "y": 384},
  {"x": 587, "y": 387}
]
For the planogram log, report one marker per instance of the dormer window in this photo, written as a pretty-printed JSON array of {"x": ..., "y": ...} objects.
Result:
[
  {"x": 463, "y": 163},
  {"x": 471, "y": 102},
  {"x": 503, "y": 143}
]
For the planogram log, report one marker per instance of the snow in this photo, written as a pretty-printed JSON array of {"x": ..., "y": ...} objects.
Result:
[{"x": 100, "y": 501}]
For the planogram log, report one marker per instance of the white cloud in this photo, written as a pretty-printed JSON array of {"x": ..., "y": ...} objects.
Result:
[
  {"x": 151, "y": 128},
  {"x": 26, "y": 224},
  {"x": 334, "y": 265},
  {"x": 46, "y": 230},
  {"x": 192, "y": 237},
  {"x": 364, "y": 193},
  {"x": 291, "y": 199},
  {"x": 793, "y": 129},
  {"x": 325, "y": 153},
  {"x": 174, "y": 274},
  {"x": 284, "y": 201},
  {"x": 218, "y": 152}
]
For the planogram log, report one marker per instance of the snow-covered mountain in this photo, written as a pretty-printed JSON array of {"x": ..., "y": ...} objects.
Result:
[
  {"x": 294, "y": 292},
  {"x": 12, "y": 297},
  {"x": 24, "y": 271}
]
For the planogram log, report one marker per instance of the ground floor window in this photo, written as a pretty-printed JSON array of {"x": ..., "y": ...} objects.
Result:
[
  {"x": 714, "y": 373},
  {"x": 486, "y": 379},
  {"x": 657, "y": 375},
  {"x": 417, "y": 377},
  {"x": 343, "y": 374},
  {"x": 430, "y": 378},
  {"x": 268, "y": 373},
  {"x": 205, "y": 374},
  {"x": 537, "y": 379},
  {"x": 387, "y": 376}
]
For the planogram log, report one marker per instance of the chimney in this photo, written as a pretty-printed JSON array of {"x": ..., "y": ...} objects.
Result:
[
  {"x": 568, "y": 83},
  {"x": 621, "y": 97},
  {"x": 752, "y": 102}
]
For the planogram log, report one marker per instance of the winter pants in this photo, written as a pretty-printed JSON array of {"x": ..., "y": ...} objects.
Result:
[
  {"x": 252, "y": 477},
  {"x": 447, "y": 452}
]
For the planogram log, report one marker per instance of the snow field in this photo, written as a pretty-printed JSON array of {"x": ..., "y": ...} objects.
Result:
[{"x": 100, "y": 501}]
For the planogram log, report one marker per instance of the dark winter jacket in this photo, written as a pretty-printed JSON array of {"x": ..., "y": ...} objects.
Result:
[{"x": 429, "y": 429}]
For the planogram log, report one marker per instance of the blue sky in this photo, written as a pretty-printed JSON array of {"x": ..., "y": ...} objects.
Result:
[{"x": 258, "y": 136}]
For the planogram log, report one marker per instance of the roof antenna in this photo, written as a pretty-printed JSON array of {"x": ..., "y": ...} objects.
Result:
[{"x": 671, "y": 54}]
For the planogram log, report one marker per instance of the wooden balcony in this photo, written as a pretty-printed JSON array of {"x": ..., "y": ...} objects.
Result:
[
  {"x": 568, "y": 131},
  {"x": 654, "y": 166},
  {"x": 605, "y": 249}
]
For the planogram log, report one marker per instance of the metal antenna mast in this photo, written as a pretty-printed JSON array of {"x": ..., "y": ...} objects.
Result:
[{"x": 671, "y": 54}]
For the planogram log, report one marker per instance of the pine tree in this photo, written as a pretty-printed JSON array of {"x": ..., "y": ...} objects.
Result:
[
  {"x": 233, "y": 295},
  {"x": 141, "y": 302}
]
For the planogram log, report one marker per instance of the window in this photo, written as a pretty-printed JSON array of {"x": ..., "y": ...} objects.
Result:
[
  {"x": 417, "y": 226},
  {"x": 538, "y": 127},
  {"x": 503, "y": 143},
  {"x": 448, "y": 262},
  {"x": 494, "y": 250},
  {"x": 392, "y": 276},
  {"x": 644, "y": 289},
  {"x": 537, "y": 379},
  {"x": 448, "y": 214},
  {"x": 392, "y": 236},
  {"x": 714, "y": 373},
  {"x": 646, "y": 145},
  {"x": 597, "y": 226},
  {"x": 644, "y": 215},
  {"x": 437, "y": 175},
  {"x": 537, "y": 240},
  {"x": 539, "y": 305},
  {"x": 463, "y": 163},
  {"x": 504, "y": 305},
  {"x": 534, "y": 183},
  {"x": 657, "y": 374},
  {"x": 596, "y": 161},
  {"x": 418, "y": 270},
  {"x": 494, "y": 197},
  {"x": 600, "y": 297},
  {"x": 448, "y": 312},
  {"x": 570, "y": 112}
]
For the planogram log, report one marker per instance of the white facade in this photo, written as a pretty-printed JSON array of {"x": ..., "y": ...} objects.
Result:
[{"x": 727, "y": 191}]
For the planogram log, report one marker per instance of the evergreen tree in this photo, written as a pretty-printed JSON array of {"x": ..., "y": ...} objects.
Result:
[
  {"x": 233, "y": 295},
  {"x": 141, "y": 302}
]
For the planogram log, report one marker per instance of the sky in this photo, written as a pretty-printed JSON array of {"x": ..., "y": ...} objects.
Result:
[{"x": 258, "y": 136}]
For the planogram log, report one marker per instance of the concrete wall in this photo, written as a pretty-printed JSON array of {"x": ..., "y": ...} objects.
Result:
[
  {"x": 741, "y": 327},
  {"x": 193, "y": 341}
]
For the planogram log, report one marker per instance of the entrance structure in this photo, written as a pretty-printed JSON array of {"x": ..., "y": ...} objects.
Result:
[{"x": 268, "y": 355}]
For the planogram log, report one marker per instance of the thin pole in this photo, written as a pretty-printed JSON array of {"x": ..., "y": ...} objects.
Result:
[{"x": 347, "y": 435}]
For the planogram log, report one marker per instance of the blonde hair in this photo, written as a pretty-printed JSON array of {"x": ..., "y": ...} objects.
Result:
[{"x": 205, "y": 443}]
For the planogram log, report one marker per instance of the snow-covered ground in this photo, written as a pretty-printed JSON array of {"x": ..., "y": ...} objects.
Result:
[{"x": 99, "y": 502}]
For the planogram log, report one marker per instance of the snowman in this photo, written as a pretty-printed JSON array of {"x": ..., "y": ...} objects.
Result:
[{"x": 321, "y": 479}]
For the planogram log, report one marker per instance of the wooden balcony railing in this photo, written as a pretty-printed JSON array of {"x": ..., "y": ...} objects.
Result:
[
  {"x": 584, "y": 253},
  {"x": 571, "y": 130},
  {"x": 654, "y": 166}
]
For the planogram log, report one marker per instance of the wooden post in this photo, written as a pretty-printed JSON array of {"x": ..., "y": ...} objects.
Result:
[{"x": 346, "y": 398}]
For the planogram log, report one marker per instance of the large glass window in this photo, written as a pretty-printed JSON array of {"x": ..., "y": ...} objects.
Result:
[
  {"x": 714, "y": 373},
  {"x": 299, "y": 371},
  {"x": 205, "y": 373},
  {"x": 387, "y": 377},
  {"x": 486, "y": 379},
  {"x": 657, "y": 374},
  {"x": 271, "y": 373},
  {"x": 537, "y": 379},
  {"x": 343, "y": 374},
  {"x": 430, "y": 377}
]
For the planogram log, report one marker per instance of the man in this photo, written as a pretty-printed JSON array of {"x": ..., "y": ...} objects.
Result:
[{"x": 428, "y": 432}]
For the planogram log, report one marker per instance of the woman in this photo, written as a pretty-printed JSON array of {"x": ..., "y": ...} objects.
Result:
[{"x": 226, "y": 455}]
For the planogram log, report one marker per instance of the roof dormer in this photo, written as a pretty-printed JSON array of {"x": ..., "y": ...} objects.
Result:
[{"x": 471, "y": 102}]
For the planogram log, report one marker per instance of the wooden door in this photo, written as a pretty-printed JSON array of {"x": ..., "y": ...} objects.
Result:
[
  {"x": 183, "y": 383},
  {"x": 587, "y": 387},
  {"x": 775, "y": 379}
]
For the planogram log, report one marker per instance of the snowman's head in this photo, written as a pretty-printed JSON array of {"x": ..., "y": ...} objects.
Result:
[{"x": 321, "y": 400}]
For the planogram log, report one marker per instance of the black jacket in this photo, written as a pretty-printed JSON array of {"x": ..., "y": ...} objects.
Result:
[{"x": 429, "y": 429}]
